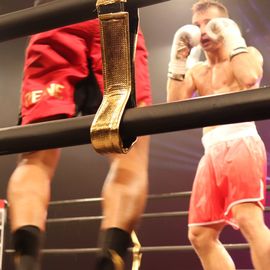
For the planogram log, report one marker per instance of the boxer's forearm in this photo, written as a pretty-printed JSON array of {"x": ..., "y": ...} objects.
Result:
[
  {"x": 179, "y": 90},
  {"x": 173, "y": 90}
]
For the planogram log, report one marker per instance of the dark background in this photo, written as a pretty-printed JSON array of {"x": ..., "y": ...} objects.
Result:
[{"x": 173, "y": 158}]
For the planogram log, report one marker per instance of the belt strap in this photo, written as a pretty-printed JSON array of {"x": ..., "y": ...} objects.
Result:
[{"x": 118, "y": 53}]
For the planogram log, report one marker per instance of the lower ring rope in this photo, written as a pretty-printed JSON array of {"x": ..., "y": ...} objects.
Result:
[
  {"x": 239, "y": 246},
  {"x": 146, "y": 215},
  {"x": 89, "y": 218},
  {"x": 153, "y": 196}
]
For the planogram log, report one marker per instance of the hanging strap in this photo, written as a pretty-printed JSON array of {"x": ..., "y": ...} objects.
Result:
[{"x": 118, "y": 42}]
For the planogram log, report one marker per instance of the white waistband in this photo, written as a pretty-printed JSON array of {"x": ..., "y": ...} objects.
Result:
[{"x": 229, "y": 132}]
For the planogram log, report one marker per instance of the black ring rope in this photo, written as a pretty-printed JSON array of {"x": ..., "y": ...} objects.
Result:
[
  {"x": 145, "y": 215},
  {"x": 52, "y": 15},
  {"x": 238, "y": 246},
  {"x": 169, "y": 195},
  {"x": 249, "y": 105}
]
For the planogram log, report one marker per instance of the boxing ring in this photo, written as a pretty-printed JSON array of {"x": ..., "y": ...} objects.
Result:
[{"x": 250, "y": 105}]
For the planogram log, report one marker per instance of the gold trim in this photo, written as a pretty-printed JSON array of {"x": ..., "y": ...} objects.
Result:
[
  {"x": 117, "y": 260},
  {"x": 136, "y": 250}
]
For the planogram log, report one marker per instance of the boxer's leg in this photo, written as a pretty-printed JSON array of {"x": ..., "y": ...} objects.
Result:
[
  {"x": 124, "y": 194},
  {"x": 28, "y": 196}
]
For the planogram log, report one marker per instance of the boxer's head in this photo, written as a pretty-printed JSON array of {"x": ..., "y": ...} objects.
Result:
[
  {"x": 203, "y": 11},
  {"x": 204, "y": 5}
]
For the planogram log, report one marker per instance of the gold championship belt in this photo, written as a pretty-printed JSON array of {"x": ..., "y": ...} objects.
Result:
[{"x": 117, "y": 60}]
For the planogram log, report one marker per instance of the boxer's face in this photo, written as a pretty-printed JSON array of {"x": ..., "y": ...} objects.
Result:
[{"x": 201, "y": 19}]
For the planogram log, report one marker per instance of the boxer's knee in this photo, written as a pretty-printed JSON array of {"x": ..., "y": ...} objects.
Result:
[
  {"x": 32, "y": 176},
  {"x": 203, "y": 237},
  {"x": 249, "y": 217},
  {"x": 46, "y": 160},
  {"x": 127, "y": 182}
]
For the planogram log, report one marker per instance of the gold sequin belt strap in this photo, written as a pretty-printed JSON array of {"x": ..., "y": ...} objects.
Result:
[{"x": 118, "y": 39}]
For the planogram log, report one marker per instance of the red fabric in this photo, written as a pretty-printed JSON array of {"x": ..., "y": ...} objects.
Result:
[
  {"x": 230, "y": 172},
  {"x": 58, "y": 59},
  {"x": 2, "y": 204}
]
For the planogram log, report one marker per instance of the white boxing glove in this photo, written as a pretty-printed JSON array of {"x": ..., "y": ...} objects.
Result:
[
  {"x": 184, "y": 40},
  {"x": 227, "y": 29},
  {"x": 194, "y": 56}
]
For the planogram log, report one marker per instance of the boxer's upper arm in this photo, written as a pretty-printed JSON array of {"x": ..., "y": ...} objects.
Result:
[{"x": 256, "y": 54}]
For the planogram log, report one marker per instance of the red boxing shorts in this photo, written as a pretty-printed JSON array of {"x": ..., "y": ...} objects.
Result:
[
  {"x": 232, "y": 171},
  {"x": 63, "y": 73}
]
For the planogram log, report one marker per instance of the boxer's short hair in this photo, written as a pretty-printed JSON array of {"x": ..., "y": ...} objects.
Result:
[{"x": 203, "y": 5}]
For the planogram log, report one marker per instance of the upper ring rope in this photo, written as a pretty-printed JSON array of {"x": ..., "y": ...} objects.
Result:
[
  {"x": 52, "y": 15},
  {"x": 234, "y": 107}
]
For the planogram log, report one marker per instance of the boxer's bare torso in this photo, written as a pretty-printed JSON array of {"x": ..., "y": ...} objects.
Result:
[
  {"x": 210, "y": 79},
  {"x": 218, "y": 78}
]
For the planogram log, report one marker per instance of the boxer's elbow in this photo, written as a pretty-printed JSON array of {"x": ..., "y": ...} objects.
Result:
[
  {"x": 250, "y": 79},
  {"x": 249, "y": 82}
]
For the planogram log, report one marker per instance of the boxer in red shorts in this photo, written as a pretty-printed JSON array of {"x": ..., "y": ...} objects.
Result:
[
  {"x": 63, "y": 78},
  {"x": 233, "y": 167},
  {"x": 229, "y": 186},
  {"x": 59, "y": 85}
]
